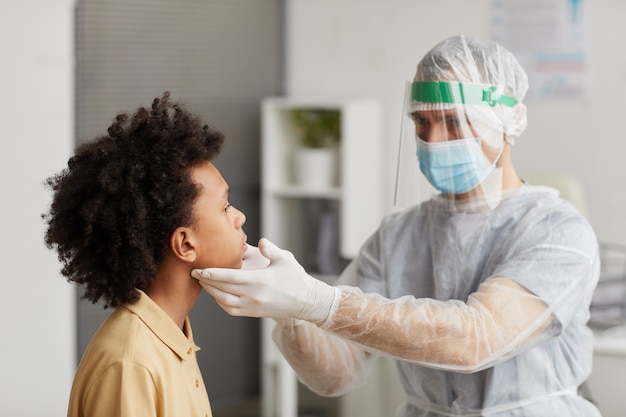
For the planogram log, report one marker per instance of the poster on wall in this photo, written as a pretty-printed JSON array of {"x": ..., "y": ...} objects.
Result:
[{"x": 551, "y": 39}]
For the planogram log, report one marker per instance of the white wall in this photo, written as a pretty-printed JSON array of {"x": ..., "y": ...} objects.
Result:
[
  {"x": 357, "y": 47},
  {"x": 351, "y": 47},
  {"x": 36, "y": 304}
]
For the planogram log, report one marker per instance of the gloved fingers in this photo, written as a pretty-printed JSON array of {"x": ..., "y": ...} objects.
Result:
[
  {"x": 213, "y": 275},
  {"x": 231, "y": 310},
  {"x": 229, "y": 302},
  {"x": 200, "y": 274},
  {"x": 253, "y": 258},
  {"x": 281, "y": 290},
  {"x": 233, "y": 302},
  {"x": 220, "y": 295},
  {"x": 226, "y": 287},
  {"x": 273, "y": 252}
]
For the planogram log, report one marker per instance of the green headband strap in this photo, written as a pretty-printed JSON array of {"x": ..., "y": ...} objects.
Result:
[{"x": 459, "y": 93}]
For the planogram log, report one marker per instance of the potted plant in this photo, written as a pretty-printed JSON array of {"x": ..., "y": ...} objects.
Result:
[{"x": 319, "y": 131}]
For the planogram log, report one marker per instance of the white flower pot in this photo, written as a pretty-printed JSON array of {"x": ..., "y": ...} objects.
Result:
[{"x": 316, "y": 168}]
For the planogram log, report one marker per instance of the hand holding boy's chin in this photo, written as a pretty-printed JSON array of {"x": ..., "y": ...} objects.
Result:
[{"x": 253, "y": 259}]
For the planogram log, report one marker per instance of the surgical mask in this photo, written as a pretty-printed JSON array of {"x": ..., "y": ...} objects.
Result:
[{"x": 454, "y": 166}]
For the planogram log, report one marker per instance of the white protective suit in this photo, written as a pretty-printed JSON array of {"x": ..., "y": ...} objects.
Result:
[
  {"x": 426, "y": 277},
  {"x": 482, "y": 296}
]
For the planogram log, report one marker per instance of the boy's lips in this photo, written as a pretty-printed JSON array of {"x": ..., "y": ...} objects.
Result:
[{"x": 245, "y": 244}]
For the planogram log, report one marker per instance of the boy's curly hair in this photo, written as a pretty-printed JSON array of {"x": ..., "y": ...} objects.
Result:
[{"x": 122, "y": 195}]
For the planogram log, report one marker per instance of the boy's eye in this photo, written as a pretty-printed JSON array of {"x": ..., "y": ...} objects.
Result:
[{"x": 227, "y": 206}]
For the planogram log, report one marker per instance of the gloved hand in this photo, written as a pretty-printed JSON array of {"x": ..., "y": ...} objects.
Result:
[
  {"x": 254, "y": 259},
  {"x": 281, "y": 290}
]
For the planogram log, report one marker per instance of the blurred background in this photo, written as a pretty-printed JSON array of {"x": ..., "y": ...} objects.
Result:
[{"x": 67, "y": 67}]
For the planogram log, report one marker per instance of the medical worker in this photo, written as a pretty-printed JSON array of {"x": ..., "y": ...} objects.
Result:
[{"x": 481, "y": 292}]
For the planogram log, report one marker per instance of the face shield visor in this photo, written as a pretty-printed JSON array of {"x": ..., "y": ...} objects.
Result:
[{"x": 450, "y": 144}]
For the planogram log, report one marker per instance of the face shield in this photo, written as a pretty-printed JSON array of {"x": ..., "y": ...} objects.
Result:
[{"x": 451, "y": 142}]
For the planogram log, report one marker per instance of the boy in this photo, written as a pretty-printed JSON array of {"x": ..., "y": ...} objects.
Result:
[{"x": 133, "y": 213}]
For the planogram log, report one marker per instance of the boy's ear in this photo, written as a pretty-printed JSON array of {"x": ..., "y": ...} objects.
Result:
[{"x": 183, "y": 245}]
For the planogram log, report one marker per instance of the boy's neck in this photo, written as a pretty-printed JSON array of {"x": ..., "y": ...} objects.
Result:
[{"x": 175, "y": 291}]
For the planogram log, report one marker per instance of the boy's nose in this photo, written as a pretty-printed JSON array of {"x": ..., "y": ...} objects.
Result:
[{"x": 241, "y": 219}]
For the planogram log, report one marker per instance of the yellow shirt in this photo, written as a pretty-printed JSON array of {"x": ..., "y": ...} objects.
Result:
[{"x": 139, "y": 363}]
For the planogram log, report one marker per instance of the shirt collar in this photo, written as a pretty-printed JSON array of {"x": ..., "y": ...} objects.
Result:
[{"x": 179, "y": 341}]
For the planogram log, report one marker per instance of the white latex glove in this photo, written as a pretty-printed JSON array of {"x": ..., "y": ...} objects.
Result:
[
  {"x": 254, "y": 259},
  {"x": 281, "y": 290}
]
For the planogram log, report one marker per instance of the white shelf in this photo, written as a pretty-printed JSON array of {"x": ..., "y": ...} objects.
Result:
[
  {"x": 358, "y": 191},
  {"x": 290, "y": 212}
]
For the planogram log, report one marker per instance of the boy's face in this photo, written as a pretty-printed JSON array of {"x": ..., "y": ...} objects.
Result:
[{"x": 221, "y": 239}]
